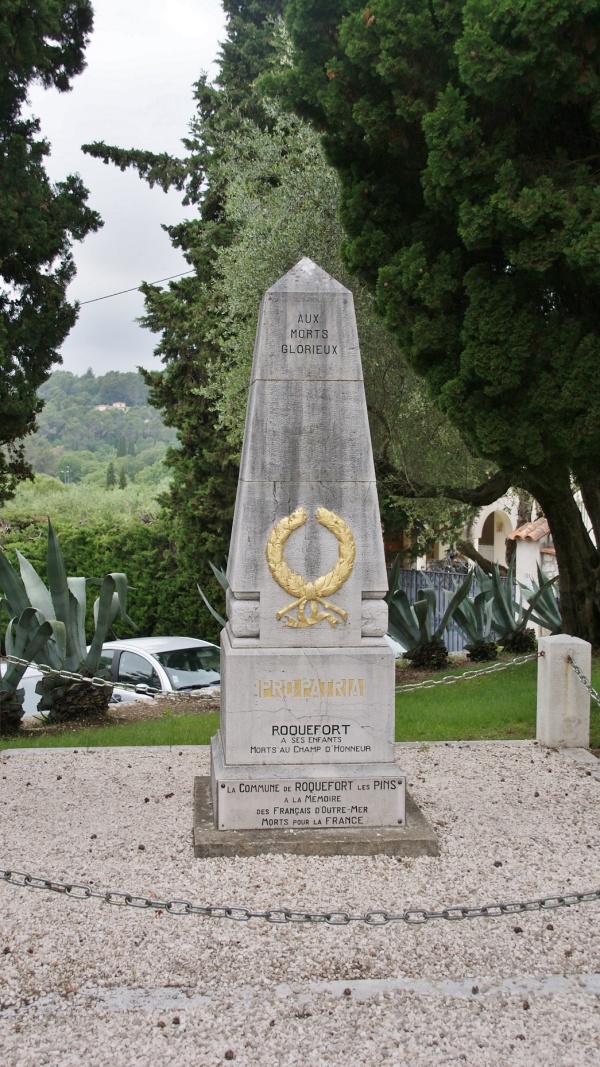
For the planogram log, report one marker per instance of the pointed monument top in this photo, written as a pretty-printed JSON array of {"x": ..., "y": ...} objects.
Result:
[{"x": 307, "y": 277}]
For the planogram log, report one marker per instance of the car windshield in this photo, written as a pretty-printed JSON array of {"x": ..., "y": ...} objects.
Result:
[{"x": 191, "y": 668}]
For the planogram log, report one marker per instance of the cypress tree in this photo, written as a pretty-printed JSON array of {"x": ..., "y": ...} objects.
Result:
[
  {"x": 44, "y": 42},
  {"x": 467, "y": 138}
]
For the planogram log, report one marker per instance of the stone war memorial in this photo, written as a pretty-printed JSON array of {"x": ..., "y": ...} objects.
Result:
[{"x": 304, "y": 760}]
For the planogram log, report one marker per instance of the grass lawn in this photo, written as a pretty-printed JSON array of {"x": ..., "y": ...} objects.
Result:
[
  {"x": 493, "y": 707},
  {"x": 166, "y": 730}
]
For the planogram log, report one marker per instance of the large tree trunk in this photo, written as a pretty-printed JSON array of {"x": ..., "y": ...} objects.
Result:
[{"x": 578, "y": 560}]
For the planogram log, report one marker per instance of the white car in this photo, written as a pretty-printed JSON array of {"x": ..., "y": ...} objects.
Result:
[{"x": 169, "y": 664}]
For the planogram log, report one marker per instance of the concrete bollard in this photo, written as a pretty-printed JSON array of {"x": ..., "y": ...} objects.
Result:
[{"x": 563, "y": 702}]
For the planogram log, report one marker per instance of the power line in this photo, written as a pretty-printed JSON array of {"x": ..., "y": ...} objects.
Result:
[{"x": 135, "y": 288}]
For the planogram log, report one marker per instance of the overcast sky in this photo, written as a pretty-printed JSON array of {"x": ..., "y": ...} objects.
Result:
[{"x": 136, "y": 92}]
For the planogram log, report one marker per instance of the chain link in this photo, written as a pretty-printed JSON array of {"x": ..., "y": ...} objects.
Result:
[
  {"x": 450, "y": 679},
  {"x": 412, "y": 916},
  {"x": 98, "y": 683},
  {"x": 584, "y": 681},
  {"x": 430, "y": 683}
]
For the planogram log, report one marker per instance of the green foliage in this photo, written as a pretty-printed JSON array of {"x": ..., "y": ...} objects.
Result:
[
  {"x": 474, "y": 618},
  {"x": 265, "y": 196},
  {"x": 44, "y": 42},
  {"x": 282, "y": 201},
  {"x": 546, "y": 611},
  {"x": 26, "y": 637},
  {"x": 111, "y": 478},
  {"x": 162, "y": 580},
  {"x": 62, "y": 606},
  {"x": 412, "y": 625},
  {"x": 511, "y": 616},
  {"x": 78, "y": 434},
  {"x": 77, "y": 503},
  {"x": 466, "y": 137}
]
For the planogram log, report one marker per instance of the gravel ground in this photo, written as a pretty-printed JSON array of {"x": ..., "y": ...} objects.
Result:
[{"x": 83, "y": 983}]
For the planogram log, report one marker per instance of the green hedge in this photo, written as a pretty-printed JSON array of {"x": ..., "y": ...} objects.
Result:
[{"x": 161, "y": 575}]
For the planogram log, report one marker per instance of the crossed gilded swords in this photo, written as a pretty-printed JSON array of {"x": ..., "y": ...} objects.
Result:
[{"x": 312, "y": 593}]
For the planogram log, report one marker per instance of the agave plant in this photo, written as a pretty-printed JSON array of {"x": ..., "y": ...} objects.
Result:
[
  {"x": 63, "y": 606},
  {"x": 222, "y": 580},
  {"x": 25, "y": 638},
  {"x": 510, "y": 616},
  {"x": 543, "y": 602},
  {"x": 412, "y": 625},
  {"x": 474, "y": 618}
]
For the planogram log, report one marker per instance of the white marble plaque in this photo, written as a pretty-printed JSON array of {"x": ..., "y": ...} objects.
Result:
[{"x": 311, "y": 802}]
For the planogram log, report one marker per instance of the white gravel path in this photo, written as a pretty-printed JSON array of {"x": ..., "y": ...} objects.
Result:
[{"x": 84, "y": 983}]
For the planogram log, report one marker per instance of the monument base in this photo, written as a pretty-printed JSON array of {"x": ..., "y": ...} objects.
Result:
[
  {"x": 415, "y": 838},
  {"x": 293, "y": 796},
  {"x": 305, "y": 705}
]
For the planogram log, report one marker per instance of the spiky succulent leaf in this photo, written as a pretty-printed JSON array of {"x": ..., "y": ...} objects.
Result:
[
  {"x": 106, "y": 609},
  {"x": 37, "y": 593},
  {"x": 542, "y": 603},
  {"x": 26, "y": 638},
  {"x": 455, "y": 601},
  {"x": 12, "y": 586},
  {"x": 78, "y": 602},
  {"x": 484, "y": 582},
  {"x": 507, "y": 612},
  {"x": 215, "y": 614},
  {"x": 57, "y": 582},
  {"x": 220, "y": 575},
  {"x": 474, "y": 618},
  {"x": 120, "y": 581},
  {"x": 402, "y": 621},
  {"x": 57, "y": 648},
  {"x": 111, "y": 603},
  {"x": 423, "y": 609}
]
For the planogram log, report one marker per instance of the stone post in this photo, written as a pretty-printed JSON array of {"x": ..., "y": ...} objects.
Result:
[{"x": 563, "y": 702}]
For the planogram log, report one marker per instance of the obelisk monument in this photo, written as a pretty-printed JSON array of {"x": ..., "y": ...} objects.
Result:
[{"x": 307, "y": 678}]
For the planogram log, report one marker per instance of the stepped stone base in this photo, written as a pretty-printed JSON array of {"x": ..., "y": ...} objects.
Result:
[{"x": 415, "y": 838}]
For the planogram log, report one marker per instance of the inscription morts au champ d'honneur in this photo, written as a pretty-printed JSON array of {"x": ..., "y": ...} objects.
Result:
[{"x": 307, "y": 678}]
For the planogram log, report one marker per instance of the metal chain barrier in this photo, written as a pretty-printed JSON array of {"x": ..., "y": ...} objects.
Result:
[
  {"x": 584, "y": 681},
  {"x": 430, "y": 683},
  {"x": 451, "y": 679},
  {"x": 98, "y": 683},
  {"x": 412, "y": 916}
]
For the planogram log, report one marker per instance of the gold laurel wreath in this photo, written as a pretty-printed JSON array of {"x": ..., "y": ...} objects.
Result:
[{"x": 312, "y": 593}]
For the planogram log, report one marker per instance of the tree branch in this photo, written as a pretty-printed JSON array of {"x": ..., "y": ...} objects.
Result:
[
  {"x": 471, "y": 553},
  {"x": 479, "y": 497}
]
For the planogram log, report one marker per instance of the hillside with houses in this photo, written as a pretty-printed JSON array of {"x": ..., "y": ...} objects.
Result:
[{"x": 89, "y": 422}]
